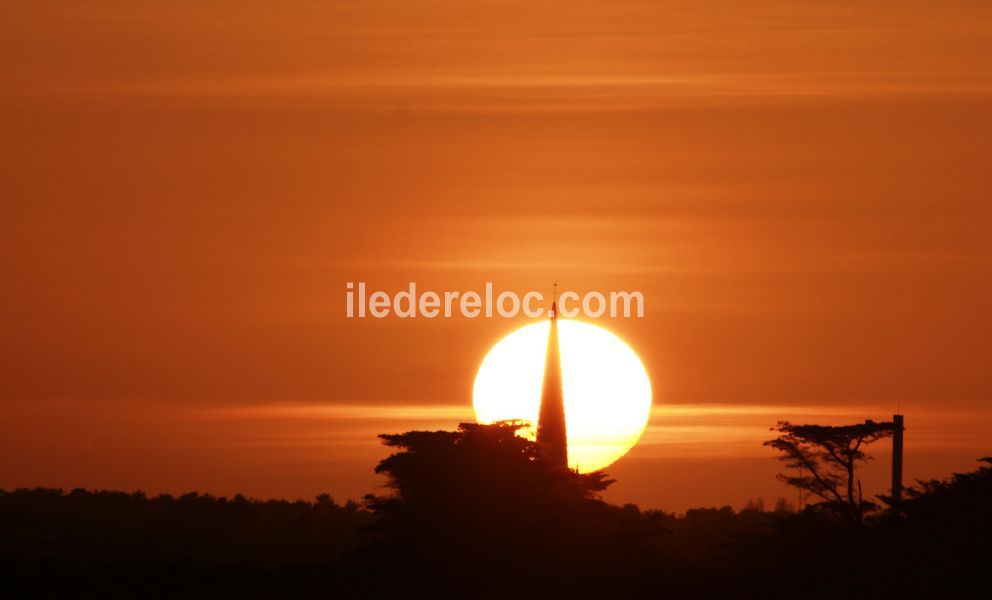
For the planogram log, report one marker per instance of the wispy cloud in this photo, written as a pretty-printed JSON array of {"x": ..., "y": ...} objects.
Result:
[{"x": 690, "y": 430}]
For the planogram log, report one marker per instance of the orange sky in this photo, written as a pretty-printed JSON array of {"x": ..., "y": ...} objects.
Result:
[{"x": 800, "y": 190}]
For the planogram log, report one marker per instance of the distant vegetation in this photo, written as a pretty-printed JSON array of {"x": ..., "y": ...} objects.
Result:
[{"x": 475, "y": 513}]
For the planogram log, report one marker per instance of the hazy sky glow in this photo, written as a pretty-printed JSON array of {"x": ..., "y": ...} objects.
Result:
[{"x": 800, "y": 189}]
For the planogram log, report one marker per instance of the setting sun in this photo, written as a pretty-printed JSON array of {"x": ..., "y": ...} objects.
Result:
[{"x": 606, "y": 388}]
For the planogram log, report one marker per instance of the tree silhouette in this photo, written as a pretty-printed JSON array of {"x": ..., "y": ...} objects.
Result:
[
  {"x": 482, "y": 478},
  {"x": 481, "y": 500},
  {"x": 961, "y": 496},
  {"x": 827, "y": 457},
  {"x": 479, "y": 460}
]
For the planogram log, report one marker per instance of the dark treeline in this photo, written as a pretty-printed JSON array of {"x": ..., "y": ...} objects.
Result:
[
  {"x": 475, "y": 513},
  {"x": 118, "y": 528}
]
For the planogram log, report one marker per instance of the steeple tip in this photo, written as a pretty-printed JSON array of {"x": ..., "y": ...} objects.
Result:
[{"x": 554, "y": 304}]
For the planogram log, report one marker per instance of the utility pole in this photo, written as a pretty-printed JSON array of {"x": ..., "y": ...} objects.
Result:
[{"x": 897, "y": 422}]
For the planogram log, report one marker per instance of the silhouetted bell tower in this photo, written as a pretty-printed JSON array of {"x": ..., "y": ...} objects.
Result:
[{"x": 551, "y": 437}]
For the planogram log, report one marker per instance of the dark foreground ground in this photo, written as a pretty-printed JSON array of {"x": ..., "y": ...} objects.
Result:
[{"x": 487, "y": 521}]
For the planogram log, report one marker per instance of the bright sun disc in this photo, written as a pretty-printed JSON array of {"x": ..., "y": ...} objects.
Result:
[{"x": 607, "y": 390}]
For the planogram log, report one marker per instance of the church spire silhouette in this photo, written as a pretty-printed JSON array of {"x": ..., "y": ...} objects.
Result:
[{"x": 551, "y": 437}]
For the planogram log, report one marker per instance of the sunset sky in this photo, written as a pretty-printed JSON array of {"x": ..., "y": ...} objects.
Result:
[{"x": 801, "y": 191}]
